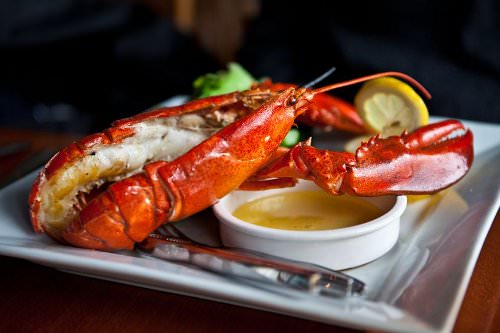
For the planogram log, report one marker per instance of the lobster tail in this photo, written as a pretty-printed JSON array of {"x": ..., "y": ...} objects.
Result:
[{"x": 117, "y": 218}]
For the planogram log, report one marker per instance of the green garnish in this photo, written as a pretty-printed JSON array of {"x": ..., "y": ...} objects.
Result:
[
  {"x": 292, "y": 138},
  {"x": 236, "y": 78}
]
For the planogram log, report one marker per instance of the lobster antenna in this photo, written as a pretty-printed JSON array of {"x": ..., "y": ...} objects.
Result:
[
  {"x": 403, "y": 76},
  {"x": 320, "y": 78}
]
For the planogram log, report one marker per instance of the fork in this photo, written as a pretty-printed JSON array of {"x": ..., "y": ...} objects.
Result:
[{"x": 169, "y": 243}]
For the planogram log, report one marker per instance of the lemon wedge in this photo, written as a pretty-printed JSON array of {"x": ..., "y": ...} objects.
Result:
[{"x": 390, "y": 106}]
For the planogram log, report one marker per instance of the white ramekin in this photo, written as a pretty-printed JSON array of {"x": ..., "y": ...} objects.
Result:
[{"x": 337, "y": 248}]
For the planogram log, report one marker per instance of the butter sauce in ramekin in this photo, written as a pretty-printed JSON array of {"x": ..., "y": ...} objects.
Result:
[{"x": 338, "y": 248}]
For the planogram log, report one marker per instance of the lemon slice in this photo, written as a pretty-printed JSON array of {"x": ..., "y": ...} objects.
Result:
[{"x": 390, "y": 106}]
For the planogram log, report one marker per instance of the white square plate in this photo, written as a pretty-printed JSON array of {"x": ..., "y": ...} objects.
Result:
[{"x": 418, "y": 286}]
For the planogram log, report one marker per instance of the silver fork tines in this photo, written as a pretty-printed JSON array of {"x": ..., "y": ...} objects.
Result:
[{"x": 169, "y": 230}]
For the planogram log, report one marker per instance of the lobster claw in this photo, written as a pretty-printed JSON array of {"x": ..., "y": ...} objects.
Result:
[{"x": 426, "y": 161}]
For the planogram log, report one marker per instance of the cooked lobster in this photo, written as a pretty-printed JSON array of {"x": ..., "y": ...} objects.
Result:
[{"x": 111, "y": 189}]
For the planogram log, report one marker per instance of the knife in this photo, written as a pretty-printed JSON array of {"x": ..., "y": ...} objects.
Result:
[{"x": 254, "y": 266}]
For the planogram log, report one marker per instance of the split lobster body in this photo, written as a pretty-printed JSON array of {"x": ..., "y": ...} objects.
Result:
[
  {"x": 110, "y": 190},
  {"x": 129, "y": 209}
]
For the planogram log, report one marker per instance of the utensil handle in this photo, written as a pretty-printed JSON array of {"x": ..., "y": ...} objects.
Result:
[{"x": 257, "y": 267}]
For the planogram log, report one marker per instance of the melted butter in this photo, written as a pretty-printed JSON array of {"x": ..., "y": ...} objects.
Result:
[{"x": 307, "y": 210}]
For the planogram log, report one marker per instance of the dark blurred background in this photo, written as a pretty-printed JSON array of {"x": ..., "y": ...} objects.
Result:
[{"x": 76, "y": 65}]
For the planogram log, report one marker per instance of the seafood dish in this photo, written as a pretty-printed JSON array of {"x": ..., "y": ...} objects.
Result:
[{"x": 111, "y": 189}]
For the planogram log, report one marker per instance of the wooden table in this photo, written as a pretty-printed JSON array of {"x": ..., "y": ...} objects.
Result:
[{"x": 34, "y": 298}]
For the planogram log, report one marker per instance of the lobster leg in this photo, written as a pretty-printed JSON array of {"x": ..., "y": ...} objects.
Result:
[
  {"x": 329, "y": 112},
  {"x": 325, "y": 168},
  {"x": 425, "y": 161}
]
